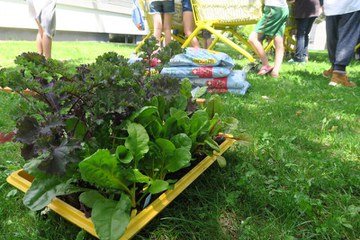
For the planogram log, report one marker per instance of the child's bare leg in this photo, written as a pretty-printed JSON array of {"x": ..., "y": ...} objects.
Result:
[
  {"x": 157, "y": 27},
  {"x": 167, "y": 27},
  {"x": 279, "y": 55},
  {"x": 46, "y": 45},
  {"x": 189, "y": 26},
  {"x": 39, "y": 42},
  {"x": 255, "y": 42},
  {"x": 258, "y": 47}
]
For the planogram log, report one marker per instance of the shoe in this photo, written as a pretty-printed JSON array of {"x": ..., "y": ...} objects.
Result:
[
  {"x": 264, "y": 70},
  {"x": 328, "y": 73},
  {"x": 292, "y": 61},
  {"x": 340, "y": 78}
]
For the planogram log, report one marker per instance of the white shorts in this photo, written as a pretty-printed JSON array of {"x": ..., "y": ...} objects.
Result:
[{"x": 44, "y": 12}]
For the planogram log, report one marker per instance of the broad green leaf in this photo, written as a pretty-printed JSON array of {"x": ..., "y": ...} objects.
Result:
[
  {"x": 166, "y": 146},
  {"x": 180, "y": 102},
  {"x": 177, "y": 113},
  {"x": 215, "y": 125},
  {"x": 182, "y": 118},
  {"x": 200, "y": 92},
  {"x": 43, "y": 190},
  {"x": 137, "y": 141},
  {"x": 102, "y": 169},
  {"x": 212, "y": 144},
  {"x": 186, "y": 87},
  {"x": 123, "y": 154},
  {"x": 111, "y": 218},
  {"x": 144, "y": 112},
  {"x": 154, "y": 129},
  {"x": 182, "y": 140},
  {"x": 214, "y": 105},
  {"x": 158, "y": 186},
  {"x": 199, "y": 124},
  {"x": 145, "y": 115},
  {"x": 221, "y": 161},
  {"x": 154, "y": 159},
  {"x": 135, "y": 175},
  {"x": 90, "y": 197},
  {"x": 160, "y": 103},
  {"x": 170, "y": 127},
  {"x": 179, "y": 159}
]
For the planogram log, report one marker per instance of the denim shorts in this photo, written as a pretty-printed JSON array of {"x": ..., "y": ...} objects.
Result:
[
  {"x": 186, "y": 6},
  {"x": 162, "y": 7}
]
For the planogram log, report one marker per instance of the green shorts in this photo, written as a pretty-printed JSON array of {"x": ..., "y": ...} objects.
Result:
[{"x": 273, "y": 21}]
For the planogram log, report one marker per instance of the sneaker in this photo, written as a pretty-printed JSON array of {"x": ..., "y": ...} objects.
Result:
[
  {"x": 328, "y": 73},
  {"x": 339, "y": 78},
  {"x": 292, "y": 61}
]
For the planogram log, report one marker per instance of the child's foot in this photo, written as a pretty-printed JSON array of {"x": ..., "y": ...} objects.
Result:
[
  {"x": 274, "y": 74},
  {"x": 265, "y": 70}
]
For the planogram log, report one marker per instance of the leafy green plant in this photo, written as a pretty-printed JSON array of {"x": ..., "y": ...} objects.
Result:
[
  {"x": 109, "y": 130},
  {"x": 156, "y": 145}
]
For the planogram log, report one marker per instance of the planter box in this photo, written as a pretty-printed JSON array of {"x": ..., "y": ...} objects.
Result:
[{"x": 21, "y": 180}]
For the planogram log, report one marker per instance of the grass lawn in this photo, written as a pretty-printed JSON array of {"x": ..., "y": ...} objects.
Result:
[
  {"x": 84, "y": 52},
  {"x": 298, "y": 179}
]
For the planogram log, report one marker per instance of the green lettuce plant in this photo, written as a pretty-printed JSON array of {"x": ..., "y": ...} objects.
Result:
[{"x": 110, "y": 131}]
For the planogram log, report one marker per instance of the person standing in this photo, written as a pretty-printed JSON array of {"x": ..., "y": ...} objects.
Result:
[
  {"x": 272, "y": 24},
  {"x": 162, "y": 11},
  {"x": 306, "y": 11},
  {"x": 44, "y": 13},
  {"x": 343, "y": 32}
]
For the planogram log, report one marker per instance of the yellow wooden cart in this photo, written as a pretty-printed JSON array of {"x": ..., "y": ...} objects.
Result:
[{"x": 221, "y": 17}]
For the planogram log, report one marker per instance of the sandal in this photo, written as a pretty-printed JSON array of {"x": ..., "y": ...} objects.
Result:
[{"x": 264, "y": 70}]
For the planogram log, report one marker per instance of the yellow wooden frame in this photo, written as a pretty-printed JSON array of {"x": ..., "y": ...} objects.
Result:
[{"x": 21, "y": 180}]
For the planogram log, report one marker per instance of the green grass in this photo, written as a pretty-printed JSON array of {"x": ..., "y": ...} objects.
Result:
[
  {"x": 298, "y": 179},
  {"x": 78, "y": 52}
]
